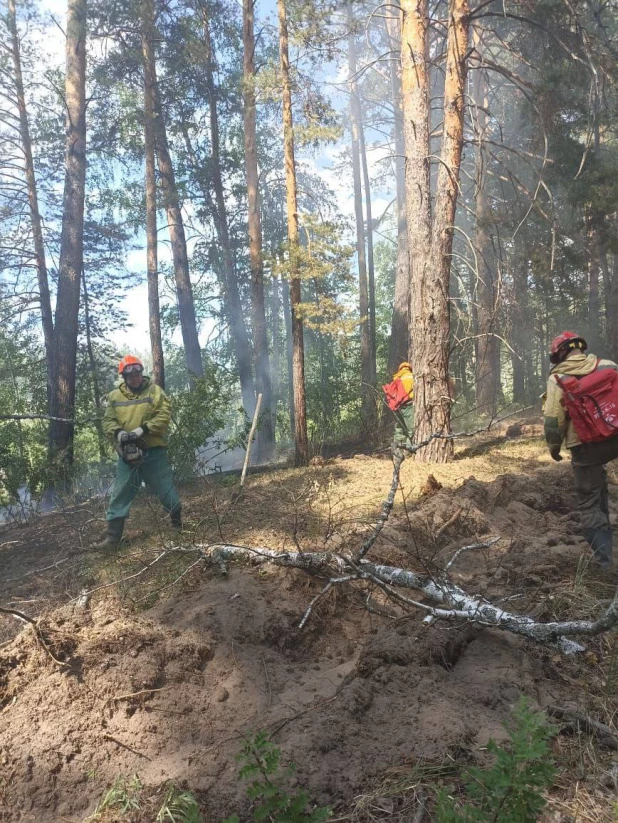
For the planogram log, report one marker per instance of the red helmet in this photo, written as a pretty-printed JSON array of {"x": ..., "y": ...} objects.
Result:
[
  {"x": 565, "y": 343},
  {"x": 129, "y": 360}
]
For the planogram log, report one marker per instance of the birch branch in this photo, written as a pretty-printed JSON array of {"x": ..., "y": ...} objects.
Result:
[{"x": 451, "y": 602}]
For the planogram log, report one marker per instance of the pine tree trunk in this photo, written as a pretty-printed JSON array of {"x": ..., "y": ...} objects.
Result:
[
  {"x": 184, "y": 289},
  {"x": 400, "y": 343},
  {"x": 594, "y": 271},
  {"x": 431, "y": 241},
  {"x": 614, "y": 307},
  {"x": 72, "y": 237},
  {"x": 266, "y": 436},
  {"x": 519, "y": 324},
  {"x": 238, "y": 327},
  {"x": 298, "y": 355},
  {"x": 487, "y": 349},
  {"x": 287, "y": 316},
  {"x": 427, "y": 304},
  {"x": 152, "y": 263},
  {"x": 47, "y": 321},
  {"x": 275, "y": 319},
  {"x": 368, "y": 400},
  {"x": 371, "y": 285}
]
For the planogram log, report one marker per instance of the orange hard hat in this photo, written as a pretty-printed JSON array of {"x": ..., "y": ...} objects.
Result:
[
  {"x": 129, "y": 360},
  {"x": 404, "y": 365}
]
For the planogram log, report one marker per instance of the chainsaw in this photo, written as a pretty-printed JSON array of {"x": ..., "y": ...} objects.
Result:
[{"x": 129, "y": 450}]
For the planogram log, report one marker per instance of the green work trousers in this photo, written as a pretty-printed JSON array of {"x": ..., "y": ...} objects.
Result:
[
  {"x": 155, "y": 471},
  {"x": 404, "y": 428}
]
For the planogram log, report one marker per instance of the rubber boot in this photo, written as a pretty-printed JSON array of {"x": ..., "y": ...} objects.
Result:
[
  {"x": 600, "y": 541},
  {"x": 176, "y": 519},
  {"x": 113, "y": 536}
]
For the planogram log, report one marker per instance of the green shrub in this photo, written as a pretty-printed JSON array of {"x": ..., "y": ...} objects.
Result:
[
  {"x": 261, "y": 761},
  {"x": 511, "y": 790}
]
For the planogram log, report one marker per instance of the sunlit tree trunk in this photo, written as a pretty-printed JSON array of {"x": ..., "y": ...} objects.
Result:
[
  {"x": 368, "y": 400},
  {"x": 431, "y": 238},
  {"x": 399, "y": 345},
  {"x": 152, "y": 264},
  {"x": 266, "y": 435},
  {"x": 298, "y": 355},
  {"x": 72, "y": 237},
  {"x": 47, "y": 321},
  {"x": 184, "y": 289}
]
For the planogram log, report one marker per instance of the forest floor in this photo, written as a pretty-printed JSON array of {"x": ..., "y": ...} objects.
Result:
[{"x": 168, "y": 669}]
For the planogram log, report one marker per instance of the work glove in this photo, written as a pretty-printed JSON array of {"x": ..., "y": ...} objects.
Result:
[
  {"x": 120, "y": 436},
  {"x": 140, "y": 431},
  {"x": 555, "y": 453}
]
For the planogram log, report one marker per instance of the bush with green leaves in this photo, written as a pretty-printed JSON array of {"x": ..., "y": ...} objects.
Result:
[
  {"x": 196, "y": 415},
  {"x": 511, "y": 790},
  {"x": 261, "y": 761}
]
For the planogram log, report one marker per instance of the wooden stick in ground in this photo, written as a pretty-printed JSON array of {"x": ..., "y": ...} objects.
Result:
[{"x": 251, "y": 433}]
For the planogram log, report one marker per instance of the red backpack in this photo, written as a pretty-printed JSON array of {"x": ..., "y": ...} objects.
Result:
[
  {"x": 396, "y": 394},
  {"x": 591, "y": 401}
]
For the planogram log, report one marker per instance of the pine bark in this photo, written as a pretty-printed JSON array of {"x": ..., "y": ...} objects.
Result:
[
  {"x": 368, "y": 403},
  {"x": 72, "y": 238},
  {"x": 152, "y": 263},
  {"x": 519, "y": 335},
  {"x": 266, "y": 435},
  {"x": 184, "y": 289},
  {"x": 430, "y": 236},
  {"x": 298, "y": 355},
  {"x": 487, "y": 348},
  {"x": 613, "y": 301},
  {"x": 400, "y": 348},
  {"x": 371, "y": 285},
  {"x": 276, "y": 335},
  {"x": 47, "y": 320},
  {"x": 594, "y": 250}
]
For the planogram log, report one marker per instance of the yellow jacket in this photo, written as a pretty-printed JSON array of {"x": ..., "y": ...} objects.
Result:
[
  {"x": 407, "y": 378},
  {"x": 129, "y": 410},
  {"x": 557, "y": 423}
]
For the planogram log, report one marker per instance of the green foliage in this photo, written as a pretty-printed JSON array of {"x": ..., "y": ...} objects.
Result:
[
  {"x": 510, "y": 791},
  {"x": 122, "y": 797},
  {"x": 261, "y": 761},
  {"x": 179, "y": 806},
  {"x": 197, "y": 413}
]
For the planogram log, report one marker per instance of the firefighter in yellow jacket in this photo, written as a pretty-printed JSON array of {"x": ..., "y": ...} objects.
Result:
[
  {"x": 404, "y": 428},
  {"x": 569, "y": 358},
  {"x": 137, "y": 418}
]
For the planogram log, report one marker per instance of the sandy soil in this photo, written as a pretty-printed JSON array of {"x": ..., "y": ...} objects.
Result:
[{"x": 164, "y": 679}]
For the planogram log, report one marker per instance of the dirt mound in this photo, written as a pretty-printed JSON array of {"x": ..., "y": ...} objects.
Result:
[{"x": 170, "y": 693}]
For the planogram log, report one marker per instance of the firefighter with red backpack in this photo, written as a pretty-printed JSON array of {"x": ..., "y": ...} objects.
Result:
[
  {"x": 400, "y": 400},
  {"x": 581, "y": 410}
]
